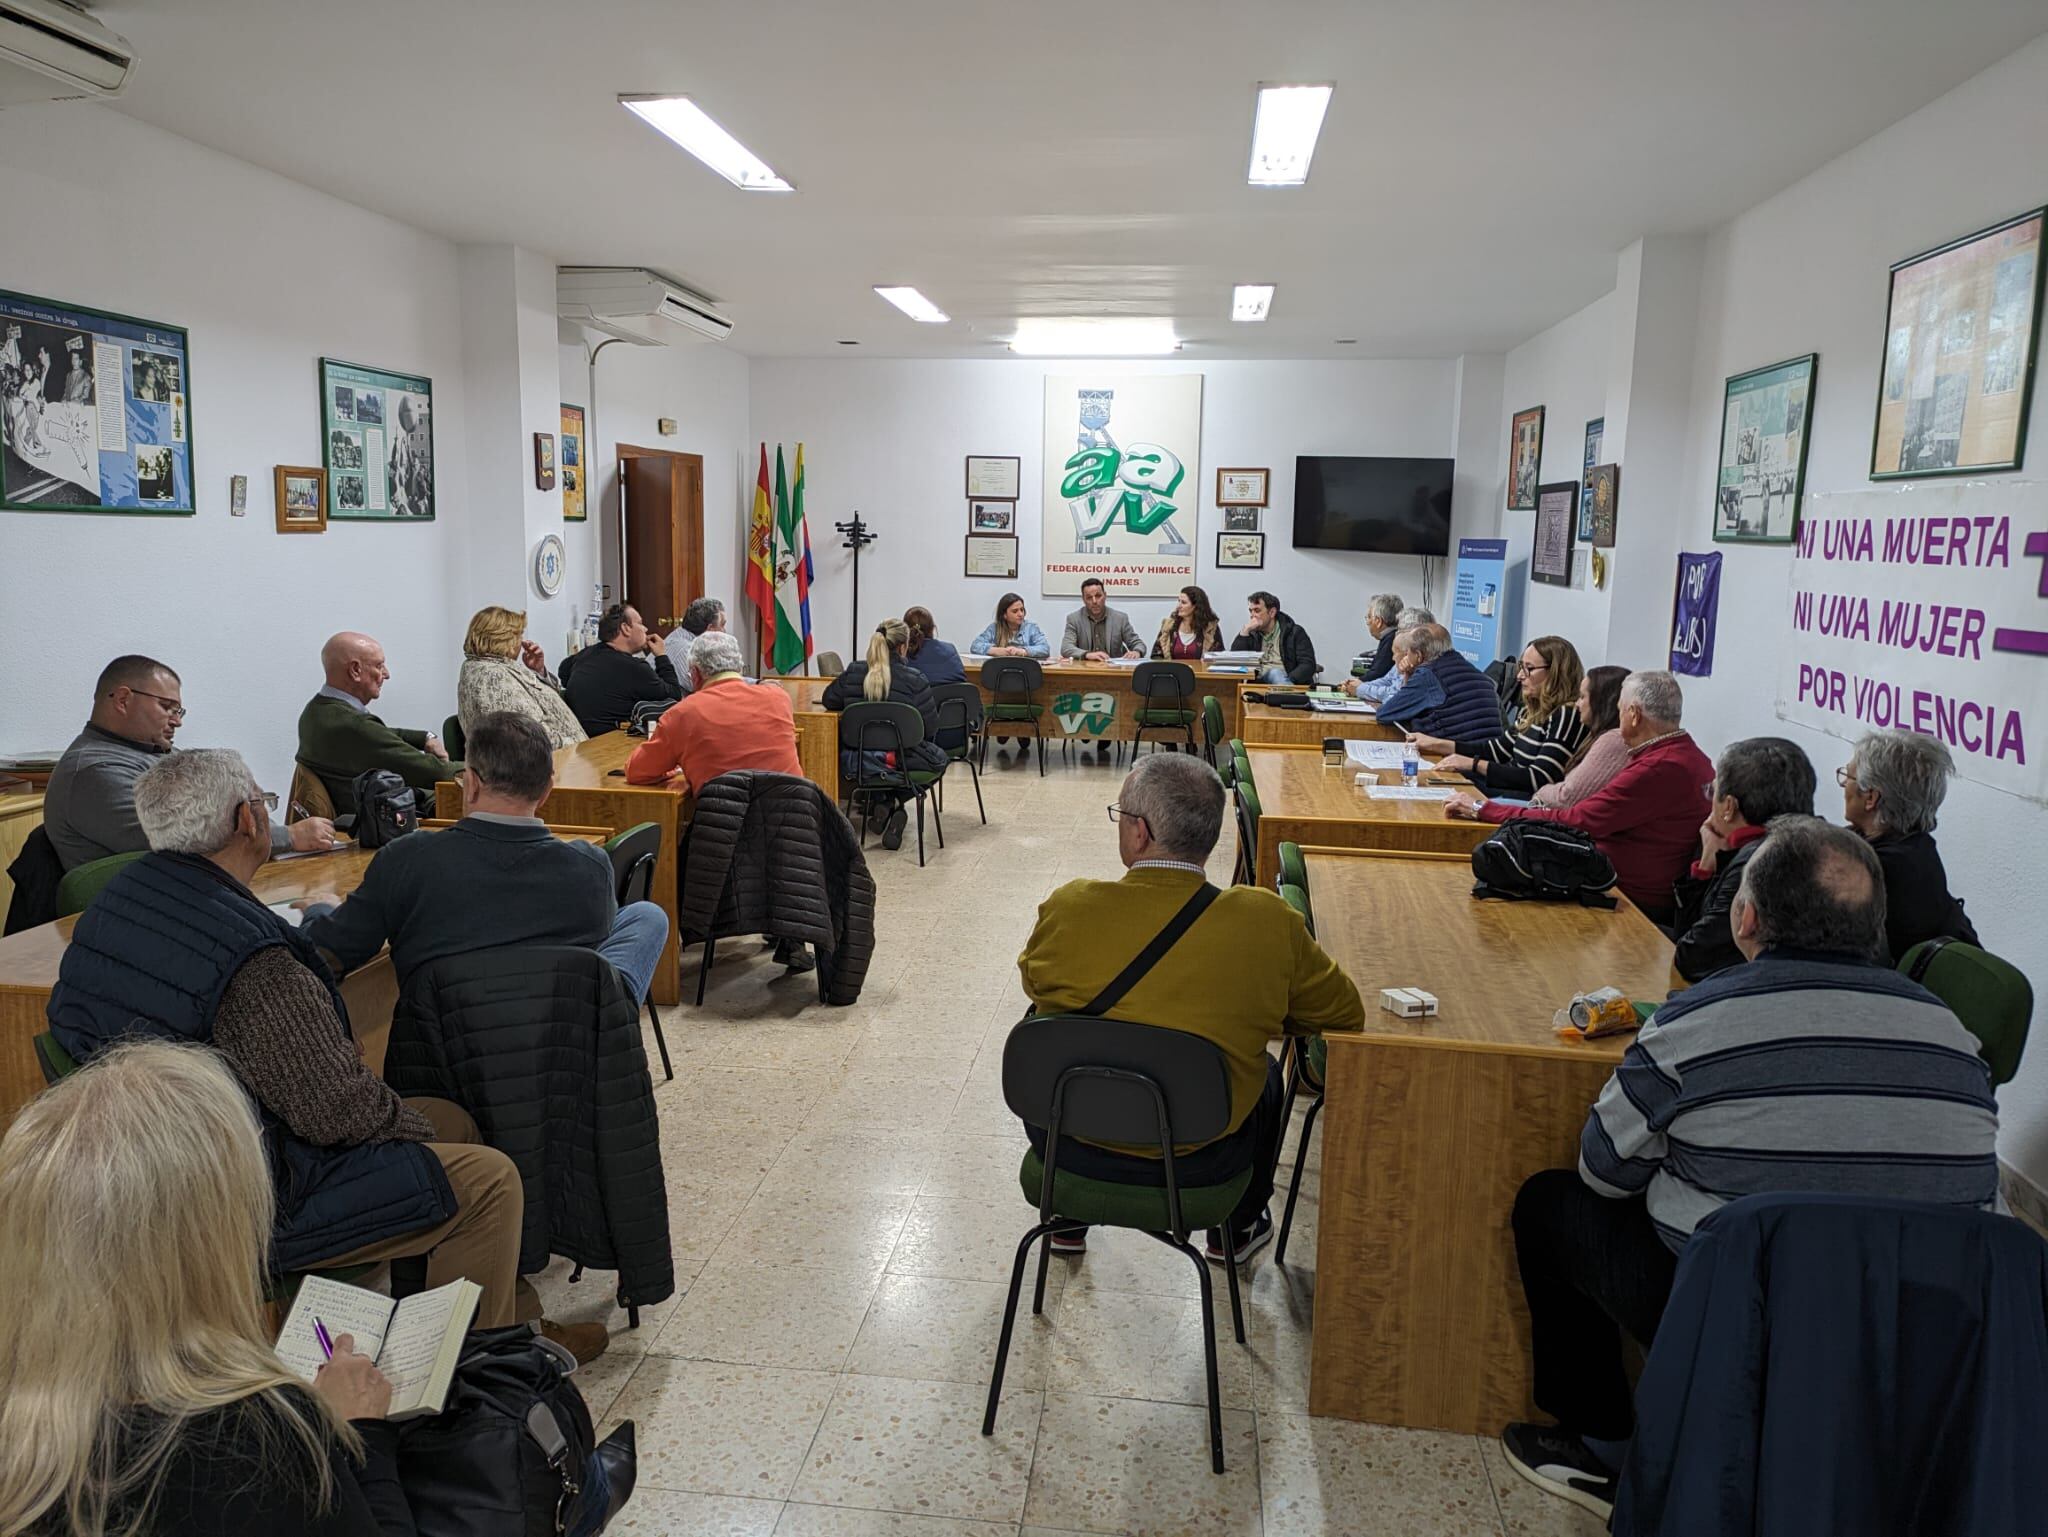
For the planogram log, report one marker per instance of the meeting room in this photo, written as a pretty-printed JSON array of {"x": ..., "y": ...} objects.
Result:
[{"x": 1432, "y": 933}]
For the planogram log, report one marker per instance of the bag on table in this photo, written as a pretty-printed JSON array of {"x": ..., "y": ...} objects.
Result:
[
  {"x": 386, "y": 808},
  {"x": 1543, "y": 862}
]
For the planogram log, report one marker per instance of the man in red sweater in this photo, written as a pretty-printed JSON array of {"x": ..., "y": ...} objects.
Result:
[
  {"x": 723, "y": 723},
  {"x": 1647, "y": 818}
]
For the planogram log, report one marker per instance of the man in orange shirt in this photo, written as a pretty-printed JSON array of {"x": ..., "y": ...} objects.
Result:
[{"x": 723, "y": 723}]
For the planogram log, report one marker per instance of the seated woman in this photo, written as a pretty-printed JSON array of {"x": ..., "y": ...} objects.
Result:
[
  {"x": 1601, "y": 755},
  {"x": 887, "y": 675},
  {"x": 1010, "y": 633},
  {"x": 503, "y": 670},
  {"x": 1190, "y": 631},
  {"x": 937, "y": 659},
  {"x": 1892, "y": 786},
  {"x": 1537, "y": 749},
  {"x": 1756, "y": 779},
  {"x": 139, "y": 1391}
]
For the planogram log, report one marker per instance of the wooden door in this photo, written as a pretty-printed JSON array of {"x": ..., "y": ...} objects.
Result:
[{"x": 664, "y": 506}]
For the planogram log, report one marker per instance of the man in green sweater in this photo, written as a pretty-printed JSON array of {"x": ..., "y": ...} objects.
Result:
[{"x": 339, "y": 738}]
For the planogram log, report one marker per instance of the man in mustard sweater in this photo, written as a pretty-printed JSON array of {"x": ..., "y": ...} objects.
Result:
[
  {"x": 339, "y": 738},
  {"x": 1244, "y": 973}
]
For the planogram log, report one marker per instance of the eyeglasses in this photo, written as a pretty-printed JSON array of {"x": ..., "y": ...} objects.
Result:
[
  {"x": 1118, "y": 814},
  {"x": 172, "y": 707},
  {"x": 267, "y": 799},
  {"x": 1843, "y": 777},
  {"x": 1525, "y": 669}
]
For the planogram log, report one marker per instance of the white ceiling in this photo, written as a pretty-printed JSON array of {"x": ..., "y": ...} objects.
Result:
[{"x": 1482, "y": 162}]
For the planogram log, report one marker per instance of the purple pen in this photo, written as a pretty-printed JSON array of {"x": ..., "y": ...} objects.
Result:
[{"x": 326, "y": 1341}]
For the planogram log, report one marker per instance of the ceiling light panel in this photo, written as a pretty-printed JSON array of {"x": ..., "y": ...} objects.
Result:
[
  {"x": 1120, "y": 337},
  {"x": 1284, "y": 131},
  {"x": 689, "y": 125},
  {"x": 913, "y": 304},
  {"x": 1251, "y": 301}
]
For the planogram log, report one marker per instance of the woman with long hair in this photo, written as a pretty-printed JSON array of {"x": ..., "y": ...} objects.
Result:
[
  {"x": 886, "y": 673},
  {"x": 1603, "y": 753},
  {"x": 1190, "y": 631},
  {"x": 1011, "y": 633},
  {"x": 503, "y": 670},
  {"x": 938, "y": 660},
  {"x": 1538, "y": 747},
  {"x": 139, "y": 1391}
]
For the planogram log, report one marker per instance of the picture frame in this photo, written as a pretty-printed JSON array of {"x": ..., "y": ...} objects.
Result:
[
  {"x": 544, "y": 461},
  {"x": 992, "y": 555},
  {"x": 95, "y": 410},
  {"x": 1241, "y": 520},
  {"x": 575, "y": 508},
  {"x": 377, "y": 442},
  {"x": 1240, "y": 552},
  {"x": 1525, "y": 458},
  {"x": 301, "y": 499},
  {"x": 1962, "y": 323},
  {"x": 1605, "y": 480},
  {"x": 1760, "y": 475},
  {"x": 1242, "y": 488},
  {"x": 992, "y": 517},
  {"x": 994, "y": 477},
  {"x": 1557, "y": 521},
  {"x": 1596, "y": 442},
  {"x": 238, "y": 496}
]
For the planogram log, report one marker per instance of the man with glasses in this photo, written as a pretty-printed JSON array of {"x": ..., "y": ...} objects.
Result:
[{"x": 89, "y": 805}]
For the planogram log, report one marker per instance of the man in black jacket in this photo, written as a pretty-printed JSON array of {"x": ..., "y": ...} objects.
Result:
[
  {"x": 1286, "y": 654},
  {"x": 606, "y": 681}
]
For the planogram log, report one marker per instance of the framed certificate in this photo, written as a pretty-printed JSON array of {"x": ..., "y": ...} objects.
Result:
[
  {"x": 1241, "y": 488},
  {"x": 992, "y": 555},
  {"x": 993, "y": 477}
]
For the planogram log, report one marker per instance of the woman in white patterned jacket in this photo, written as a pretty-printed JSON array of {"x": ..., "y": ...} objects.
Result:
[{"x": 503, "y": 670}]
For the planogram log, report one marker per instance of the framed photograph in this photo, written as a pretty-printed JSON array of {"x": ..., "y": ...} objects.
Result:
[
  {"x": 1596, "y": 441},
  {"x": 238, "y": 496},
  {"x": 302, "y": 499},
  {"x": 377, "y": 428},
  {"x": 1764, "y": 417},
  {"x": 992, "y": 555},
  {"x": 95, "y": 412},
  {"x": 1241, "y": 520},
  {"x": 992, "y": 517},
  {"x": 544, "y": 461},
  {"x": 1241, "y": 488},
  {"x": 1604, "y": 483},
  {"x": 993, "y": 477},
  {"x": 1960, "y": 331},
  {"x": 1557, "y": 521},
  {"x": 574, "y": 508},
  {"x": 1241, "y": 552},
  {"x": 1525, "y": 458}
]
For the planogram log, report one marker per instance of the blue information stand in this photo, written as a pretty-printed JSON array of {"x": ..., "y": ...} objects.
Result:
[{"x": 1478, "y": 591}]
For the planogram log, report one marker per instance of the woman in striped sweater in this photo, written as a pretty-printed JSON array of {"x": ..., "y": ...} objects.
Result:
[{"x": 1538, "y": 748}]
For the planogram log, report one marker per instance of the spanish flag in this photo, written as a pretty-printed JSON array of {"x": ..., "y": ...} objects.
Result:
[{"x": 761, "y": 560}]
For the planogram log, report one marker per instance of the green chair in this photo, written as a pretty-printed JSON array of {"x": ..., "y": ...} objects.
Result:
[
  {"x": 1110, "y": 1080},
  {"x": 453, "y": 738},
  {"x": 887, "y": 726},
  {"x": 1293, "y": 868},
  {"x": 75, "y": 893},
  {"x": 1296, "y": 898},
  {"x": 633, "y": 853},
  {"x": 1162, "y": 691},
  {"x": 1308, "y": 1069},
  {"x": 958, "y": 707},
  {"x": 1247, "y": 831},
  {"x": 1240, "y": 762},
  {"x": 1989, "y": 995},
  {"x": 1013, "y": 683},
  {"x": 1212, "y": 727}
]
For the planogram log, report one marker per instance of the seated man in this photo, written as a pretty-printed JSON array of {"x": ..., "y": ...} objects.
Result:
[
  {"x": 177, "y": 948},
  {"x": 702, "y": 617},
  {"x": 1377, "y": 687},
  {"x": 497, "y": 877},
  {"x": 89, "y": 806},
  {"x": 1757, "y": 779},
  {"x": 1245, "y": 972},
  {"x": 1810, "y": 1069},
  {"x": 609, "y": 678},
  {"x": 1646, "y": 818},
  {"x": 1096, "y": 632},
  {"x": 1286, "y": 654},
  {"x": 339, "y": 738},
  {"x": 1442, "y": 687}
]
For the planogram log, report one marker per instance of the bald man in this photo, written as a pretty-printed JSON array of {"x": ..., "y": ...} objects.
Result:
[{"x": 339, "y": 738}]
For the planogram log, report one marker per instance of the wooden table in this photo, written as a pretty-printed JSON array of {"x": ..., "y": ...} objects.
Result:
[
  {"x": 1302, "y": 800},
  {"x": 1432, "y": 1125},
  {"x": 1265, "y": 725},
  {"x": 1093, "y": 701}
]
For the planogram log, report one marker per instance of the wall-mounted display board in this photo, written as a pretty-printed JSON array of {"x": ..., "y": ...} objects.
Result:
[
  {"x": 1122, "y": 479},
  {"x": 574, "y": 508},
  {"x": 1764, "y": 417},
  {"x": 377, "y": 432},
  {"x": 95, "y": 410}
]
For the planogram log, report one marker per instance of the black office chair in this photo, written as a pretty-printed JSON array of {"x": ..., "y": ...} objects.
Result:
[
  {"x": 1013, "y": 683},
  {"x": 453, "y": 739},
  {"x": 886, "y": 726},
  {"x": 633, "y": 853},
  {"x": 960, "y": 709},
  {"x": 1164, "y": 691}
]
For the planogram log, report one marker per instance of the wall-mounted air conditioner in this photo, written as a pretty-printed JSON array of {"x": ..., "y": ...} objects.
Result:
[
  {"x": 636, "y": 306},
  {"x": 50, "y": 51}
]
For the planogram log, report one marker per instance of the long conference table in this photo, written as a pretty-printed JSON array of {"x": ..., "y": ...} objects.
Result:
[{"x": 1306, "y": 801}]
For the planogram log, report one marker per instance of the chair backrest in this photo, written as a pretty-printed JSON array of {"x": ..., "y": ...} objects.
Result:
[
  {"x": 1990, "y": 995},
  {"x": 1163, "y": 680},
  {"x": 633, "y": 853},
  {"x": 1012, "y": 675},
  {"x": 453, "y": 738},
  {"x": 309, "y": 794},
  {"x": 1293, "y": 869},
  {"x": 76, "y": 891},
  {"x": 1212, "y": 722},
  {"x": 830, "y": 664},
  {"x": 53, "y": 1059},
  {"x": 1110, "y": 1080},
  {"x": 958, "y": 706},
  {"x": 880, "y": 725},
  {"x": 1248, "y": 799},
  {"x": 1296, "y": 897}
]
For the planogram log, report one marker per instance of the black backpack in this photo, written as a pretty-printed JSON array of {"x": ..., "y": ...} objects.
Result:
[
  {"x": 1543, "y": 862},
  {"x": 386, "y": 808}
]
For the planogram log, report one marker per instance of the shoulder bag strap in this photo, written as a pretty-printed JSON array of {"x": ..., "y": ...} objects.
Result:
[{"x": 1153, "y": 953}]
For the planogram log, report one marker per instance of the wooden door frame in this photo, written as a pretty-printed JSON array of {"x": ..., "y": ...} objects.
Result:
[{"x": 621, "y": 452}]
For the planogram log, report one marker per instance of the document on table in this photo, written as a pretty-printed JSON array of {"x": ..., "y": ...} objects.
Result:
[
  {"x": 291, "y": 915},
  {"x": 1410, "y": 792},
  {"x": 1380, "y": 755},
  {"x": 1342, "y": 706}
]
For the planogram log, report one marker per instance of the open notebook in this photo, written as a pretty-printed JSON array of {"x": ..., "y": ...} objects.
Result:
[{"x": 415, "y": 1343}]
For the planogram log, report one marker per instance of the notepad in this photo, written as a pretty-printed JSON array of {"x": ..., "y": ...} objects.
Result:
[
  {"x": 1410, "y": 792},
  {"x": 415, "y": 1343},
  {"x": 291, "y": 915},
  {"x": 1381, "y": 755}
]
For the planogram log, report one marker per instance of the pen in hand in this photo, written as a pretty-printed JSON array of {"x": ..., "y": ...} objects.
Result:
[{"x": 326, "y": 1340}]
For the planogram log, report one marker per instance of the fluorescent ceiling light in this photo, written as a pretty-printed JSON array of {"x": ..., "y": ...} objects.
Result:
[
  {"x": 1250, "y": 301},
  {"x": 682, "y": 120},
  {"x": 1284, "y": 131},
  {"x": 1099, "y": 338},
  {"x": 914, "y": 304}
]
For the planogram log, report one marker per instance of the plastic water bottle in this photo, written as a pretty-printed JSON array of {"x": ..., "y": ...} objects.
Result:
[{"x": 1411, "y": 764}]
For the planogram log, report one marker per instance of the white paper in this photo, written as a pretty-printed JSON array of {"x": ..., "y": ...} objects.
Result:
[
  {"x": 1375, "y": 755},
  {"x": 344, "y": 1309},
  {"x": 1230, "y": 656},
  {"x": 1342, "y": 707},
  {"x": 110, "y": 385},
  {"x": 418, "y": 1330},
  {"x": 375, "y": 470},
  {"x": 291, "y": 915},
  {"x": 1410, "y": 792}
]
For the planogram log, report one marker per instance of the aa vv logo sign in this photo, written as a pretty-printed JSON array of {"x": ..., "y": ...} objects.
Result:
[
  {"x": 1122, "y": 479},
  {"x": 1090, "y": 714}
]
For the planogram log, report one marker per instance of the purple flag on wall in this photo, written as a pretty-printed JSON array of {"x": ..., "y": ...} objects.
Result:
[{"x": 1693, "y": 611}]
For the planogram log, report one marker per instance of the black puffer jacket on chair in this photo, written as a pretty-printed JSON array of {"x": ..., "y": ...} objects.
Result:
[{"x": 770, "y": 854}]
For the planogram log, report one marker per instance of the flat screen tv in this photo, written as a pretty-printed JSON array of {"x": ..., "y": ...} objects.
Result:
[{"x": 1391, "y": 506}]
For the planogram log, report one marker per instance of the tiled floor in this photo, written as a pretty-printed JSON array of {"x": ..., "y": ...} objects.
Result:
[{"x": 844, "y": 1206}]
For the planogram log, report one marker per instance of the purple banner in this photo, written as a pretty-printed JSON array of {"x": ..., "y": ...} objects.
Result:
[{"x": 1693, "y": 613}]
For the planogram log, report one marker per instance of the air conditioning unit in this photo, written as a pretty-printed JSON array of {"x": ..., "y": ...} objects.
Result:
[
  {"x": 636, "y": 306},
  {"x": 50, "y": 51}
]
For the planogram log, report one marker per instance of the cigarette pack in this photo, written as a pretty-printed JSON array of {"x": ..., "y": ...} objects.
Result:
[{"x": 1407, "y": 1002}]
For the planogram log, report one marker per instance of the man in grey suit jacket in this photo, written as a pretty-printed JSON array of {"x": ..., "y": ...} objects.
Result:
[{"x": 1095, "y": 631}]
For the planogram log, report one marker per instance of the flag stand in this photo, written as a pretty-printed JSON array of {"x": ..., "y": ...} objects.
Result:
[{"x": 857, "y": 534}]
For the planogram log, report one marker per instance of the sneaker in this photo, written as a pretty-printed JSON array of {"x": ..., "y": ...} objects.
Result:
[
  {"x": 1249, "y": 1242},
  {"x": 892, "y": 830},
  {"x": 1074, "y": 1242},
  {"x": 586, "y": 1342},
  {"x": 796, "y": 955},
  {"x": 1554, "y": 1459}
]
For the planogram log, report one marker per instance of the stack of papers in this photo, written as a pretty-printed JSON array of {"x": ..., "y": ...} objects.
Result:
[
  {"x": 1410, "y": 792},
  {"x": 1379, "y": 755},
  {"x": 1341, "y": 706},
  {"x": 1230, "y": 656}
]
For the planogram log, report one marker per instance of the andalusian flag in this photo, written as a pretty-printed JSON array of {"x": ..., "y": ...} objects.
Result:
[
  {"x": 761, "y": 558},
  {"x": 793, "y": 573}
]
